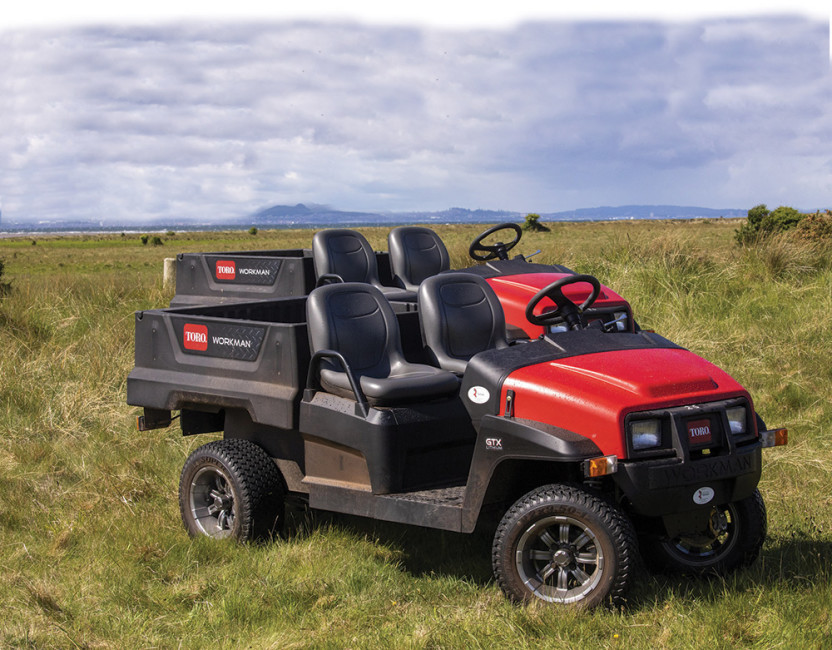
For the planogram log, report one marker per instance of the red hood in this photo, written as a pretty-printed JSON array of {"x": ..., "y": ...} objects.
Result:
[
  {"x": 515, "y": 291},
  {"x": 591, "y": 394}
]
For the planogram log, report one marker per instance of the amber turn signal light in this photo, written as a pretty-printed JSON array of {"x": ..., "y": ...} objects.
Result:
[
  {"x": 601, "y": 466},
  {"x": 774, "y": 438}
]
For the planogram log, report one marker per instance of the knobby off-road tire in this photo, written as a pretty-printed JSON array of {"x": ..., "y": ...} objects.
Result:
[
  {"x": 231, "y": 488},
  {"x": 732, "y": 539},
  {"x": 561, "y": 544}
]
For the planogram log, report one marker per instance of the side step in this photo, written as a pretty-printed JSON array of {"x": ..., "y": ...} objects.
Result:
[{"x": 440, "y": 508}]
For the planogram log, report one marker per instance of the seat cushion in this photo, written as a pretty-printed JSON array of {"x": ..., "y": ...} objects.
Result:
[
  {"x": 397, "y": 295},
  {"x": 412, "y": 382}
]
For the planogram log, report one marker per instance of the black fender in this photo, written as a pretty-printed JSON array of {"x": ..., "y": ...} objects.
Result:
[{"x": 502, "y": 439}]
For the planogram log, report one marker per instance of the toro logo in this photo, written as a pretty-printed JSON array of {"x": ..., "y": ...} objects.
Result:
[
  {"x": 226, "y": 270},
  {"x": 196, "y": 337},
  {"x": 699, "y": 431}
]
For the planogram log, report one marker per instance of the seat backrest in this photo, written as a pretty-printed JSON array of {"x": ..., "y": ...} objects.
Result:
[
  {"x": 346, "y": 253},
  {"x": 460, "y": 316},
  {"x": 355, "y": 319},
  {"x": 416, "y": 253}
]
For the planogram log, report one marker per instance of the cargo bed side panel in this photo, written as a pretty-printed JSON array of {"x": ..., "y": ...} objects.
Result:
[{"x": 193, "y": 359}]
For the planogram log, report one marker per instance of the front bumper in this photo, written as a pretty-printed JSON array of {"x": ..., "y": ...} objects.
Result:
[
  {"x": 691, "y": 471},
  {"x": 673, "y": 485}
]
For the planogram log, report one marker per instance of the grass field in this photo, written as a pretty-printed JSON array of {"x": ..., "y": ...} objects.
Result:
[{"x": 93, "y": 553}]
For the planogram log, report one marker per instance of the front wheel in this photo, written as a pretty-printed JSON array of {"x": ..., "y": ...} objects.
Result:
[
  {"x": 561, "y": 544},
  {"x": 231, "y": 488},
  {"x": 731, "y": 537}
]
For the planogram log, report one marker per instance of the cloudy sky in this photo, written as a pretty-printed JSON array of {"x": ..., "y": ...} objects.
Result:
[{"x": 119, "y": 119}]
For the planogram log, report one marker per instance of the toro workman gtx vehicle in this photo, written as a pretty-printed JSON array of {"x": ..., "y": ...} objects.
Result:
[{"x": 415, "y": 401}]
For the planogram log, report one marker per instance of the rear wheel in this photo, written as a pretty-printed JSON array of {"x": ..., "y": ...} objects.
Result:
[
  {"x": 731, "y": 537},
  {"x": 561, "y": 544},
  {"x": 231, "y": 488}
]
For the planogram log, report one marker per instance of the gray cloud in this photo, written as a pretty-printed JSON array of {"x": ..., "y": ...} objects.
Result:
[{"x": 119, "y": 123}]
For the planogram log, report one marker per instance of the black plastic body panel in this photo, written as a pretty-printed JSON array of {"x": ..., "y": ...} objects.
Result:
[
  {"x": 504, "y": 439},
  {"x": 667, "y": 486},
  {"x": 204, "y": 278},
  {"x": 455, "y": 506},
  {"x": 251, "y": 356},
  {"x": 406, "y": 448},
  {"x": 223, "y": 277}
]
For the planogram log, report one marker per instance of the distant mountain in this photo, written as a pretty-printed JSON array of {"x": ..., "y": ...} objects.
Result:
[
  {"x": 312, "y": 215},
  {"x": 644, "y": 212},
  {"x": 308, "y": 215},
  {"x": 281, "y": 211},
  {"x": 321, "y": 215},
  {"x": 293, "y": 213}
]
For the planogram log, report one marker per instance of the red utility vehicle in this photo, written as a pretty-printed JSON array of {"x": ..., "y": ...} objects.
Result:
[{"x": 582, "y": 432}]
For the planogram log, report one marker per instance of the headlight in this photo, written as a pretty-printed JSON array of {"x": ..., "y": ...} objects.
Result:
[
  {"x": 645, "y": 434},
  {"x": 737, "y": 420}
]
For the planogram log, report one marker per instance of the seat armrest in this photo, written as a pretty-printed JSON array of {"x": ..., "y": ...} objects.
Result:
[{"x": 313, "y": 379}]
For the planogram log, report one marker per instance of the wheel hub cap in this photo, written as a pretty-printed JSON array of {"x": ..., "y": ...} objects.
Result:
[
  {"x": 563, "y": 557},
  {"x": 221, "y": 501}
]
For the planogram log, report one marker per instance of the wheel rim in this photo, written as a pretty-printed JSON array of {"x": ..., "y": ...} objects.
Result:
[
  {"x": 212, "y": 503},
  {"x": 711, "y": 544},
  {"x": 559, "y": 559}
]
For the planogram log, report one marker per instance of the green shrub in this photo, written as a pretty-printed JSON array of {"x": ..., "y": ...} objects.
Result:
[
  {"x": 816, "y": 227},
  {"x": 156, "y": 241},
  {"x": 533, "y": 224},
  {"x": 144, "y": 239},
  {"x": 252, "y": 231},
  {"x": 761, "y": 223}
]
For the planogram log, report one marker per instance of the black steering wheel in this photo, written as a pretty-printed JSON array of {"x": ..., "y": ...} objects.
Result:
[
  {"x": 498, "y": 250},
  {"x": 565, "y": 310}
]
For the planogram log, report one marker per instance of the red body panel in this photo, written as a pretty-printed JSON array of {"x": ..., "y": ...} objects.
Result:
[
  {"x": 515, "y": 291},
  {"x": 591, "y": 394}
]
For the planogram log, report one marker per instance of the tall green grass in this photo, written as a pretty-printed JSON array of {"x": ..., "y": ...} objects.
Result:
[{"x": 93, "y": 553}]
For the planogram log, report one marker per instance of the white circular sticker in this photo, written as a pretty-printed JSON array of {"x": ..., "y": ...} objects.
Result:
[
  {"x": 703, "y": 495},
  {"x": 478, "y": 394}
]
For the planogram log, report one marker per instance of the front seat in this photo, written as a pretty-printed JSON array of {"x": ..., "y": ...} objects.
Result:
[
  {"x": 460, "y": 316},
  {"x": 416, "y": 253},
  {"x": 348, "y": 255},
  {"x": 355, "y": 321}
]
